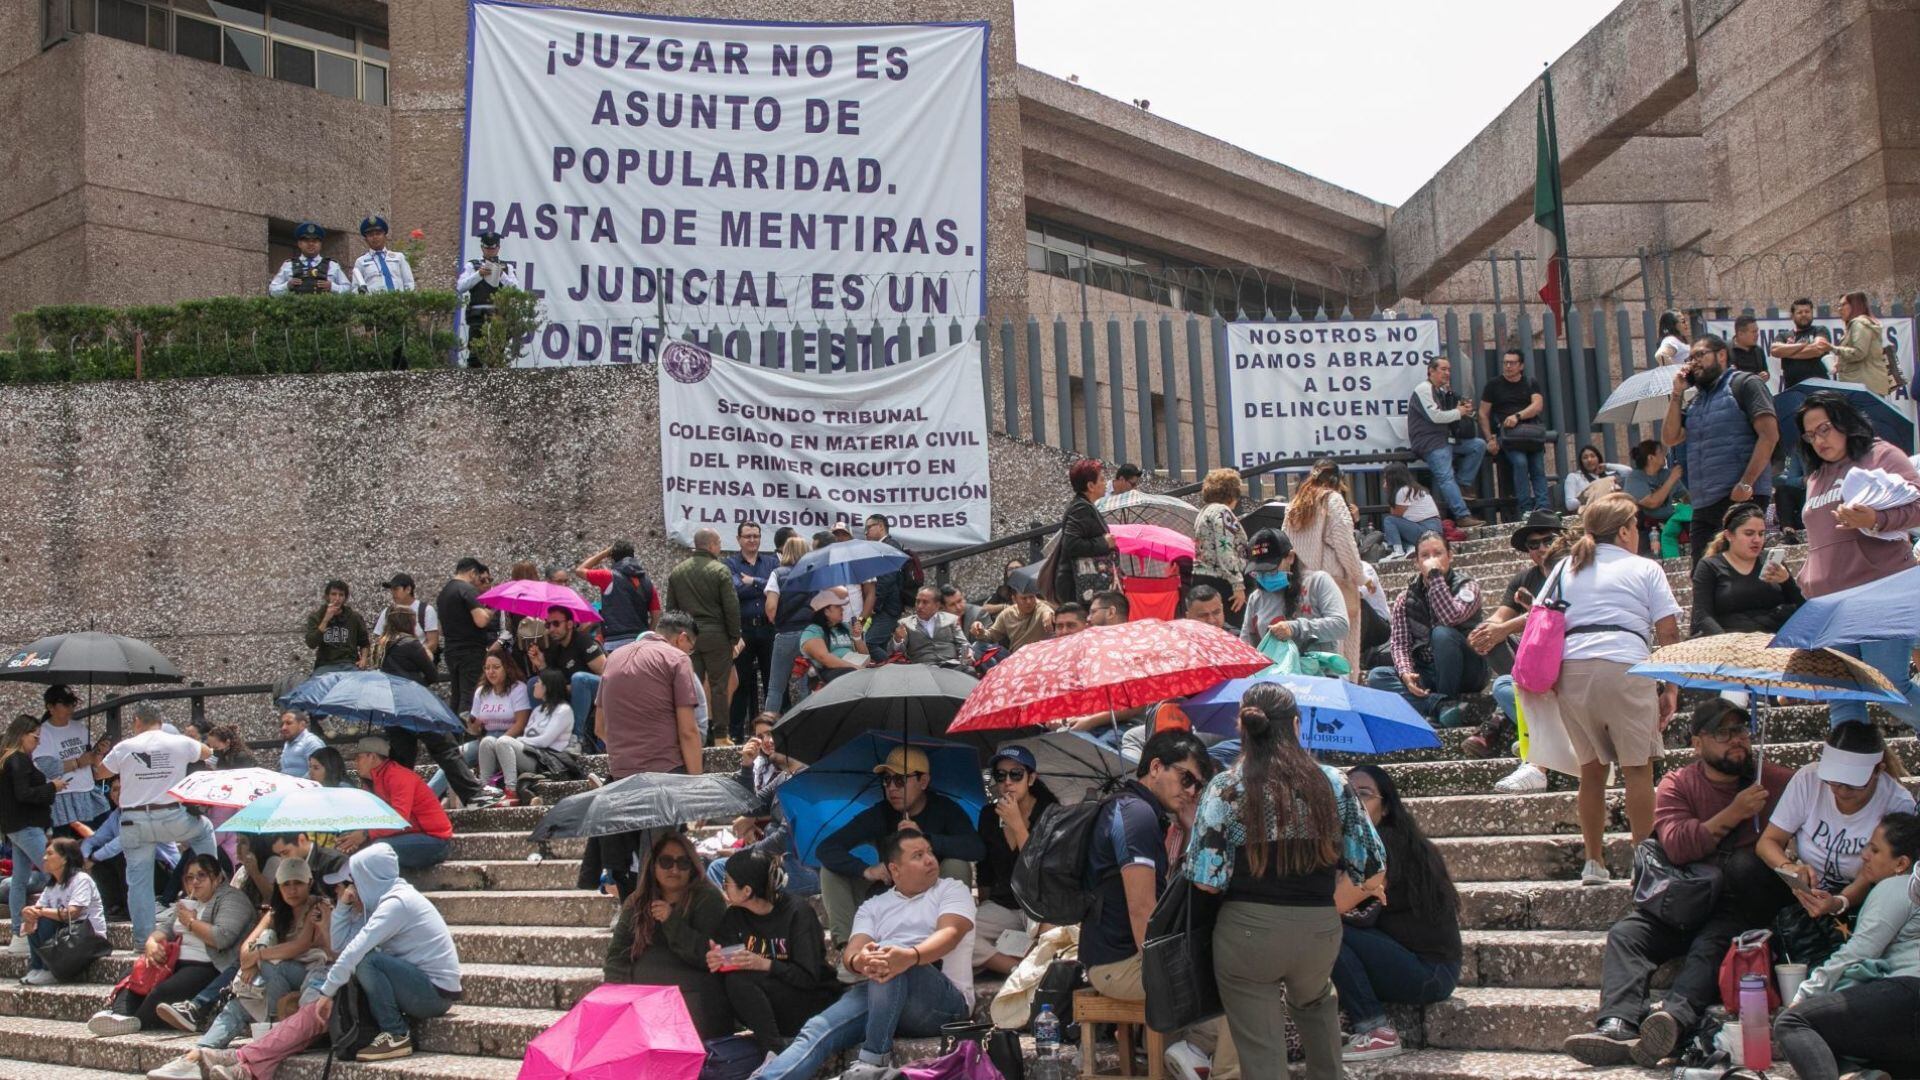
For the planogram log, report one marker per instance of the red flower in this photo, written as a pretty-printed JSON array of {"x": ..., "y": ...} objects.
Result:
[{"x": 418, "y": 234}]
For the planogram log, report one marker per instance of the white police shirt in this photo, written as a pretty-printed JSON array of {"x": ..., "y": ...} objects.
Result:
[
  {"x": 282, "y": 282},
  {"x": 382, "y": 271}
]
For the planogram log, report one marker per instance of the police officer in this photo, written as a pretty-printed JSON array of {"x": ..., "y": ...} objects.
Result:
[
  {"x": 483, "y": 277},
  {"x": 309, "y": 271},
  {"x": 380, "y": 270}
]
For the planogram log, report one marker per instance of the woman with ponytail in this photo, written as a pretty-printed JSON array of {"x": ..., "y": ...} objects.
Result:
[
  {"x": 769, "y": 952},
  {"x": 1618, "y": 606},
  {"x": 1735, "y": 590},
  {"x": 1273, "y": 835},
  {"x": 1320, "y": 528}
]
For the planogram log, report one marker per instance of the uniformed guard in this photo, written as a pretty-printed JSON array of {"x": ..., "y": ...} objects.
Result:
[
  {"x": 483, "y": 277},
  {"x": 309, "y": 271},
  {"x": 380, "y": 270}
]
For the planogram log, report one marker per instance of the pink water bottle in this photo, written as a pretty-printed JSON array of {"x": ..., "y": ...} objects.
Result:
[{"x": 1756, "y": 1029}]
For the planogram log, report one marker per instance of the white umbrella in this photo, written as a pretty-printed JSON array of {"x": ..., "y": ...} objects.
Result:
[
  {"x": 234, "y": 788},
  {"x": 1639, "y": 399}
]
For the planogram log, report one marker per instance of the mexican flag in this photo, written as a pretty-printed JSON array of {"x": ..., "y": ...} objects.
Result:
[{"x": 1549, "y": 208}]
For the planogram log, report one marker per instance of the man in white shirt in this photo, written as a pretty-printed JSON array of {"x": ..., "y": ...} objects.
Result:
[
  {"x": 380, "y": 270},
  {"x": 309, "y": 271},
  {"x": 149, "y": 763},
  {"x": 914, "y": 945},
  {"x": 426, "y": 617}
]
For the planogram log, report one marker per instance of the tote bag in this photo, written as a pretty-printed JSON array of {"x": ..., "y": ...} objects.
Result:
[{"x": 1536, "y": 663}]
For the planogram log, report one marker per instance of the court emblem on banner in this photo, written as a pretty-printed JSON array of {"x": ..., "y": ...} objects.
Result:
[{"x": 686, "y": 363}]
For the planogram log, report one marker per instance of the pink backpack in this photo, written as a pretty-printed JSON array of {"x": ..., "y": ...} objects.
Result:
[{"x": 1536, "y": 661}]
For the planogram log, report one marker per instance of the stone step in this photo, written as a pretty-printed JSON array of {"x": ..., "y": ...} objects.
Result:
[
  {"x": 513, "y": 986},
  {"x": 552, "y": 907},
  {"x": 531, "y": 945},
  {"x": 1482, "y": 1065},
  {"x": 510, "y": 875},
  {"x": 480, "y": 846},
  {"x": 1536, "y": 959},
  {"x": 1467, "y": 777},
  {"x": 1502, "y": 1018},
  {"x": 1542, "y": 905},
  {"x": 1527, "y": 858},
  {"x": 61, "y": 1049}
]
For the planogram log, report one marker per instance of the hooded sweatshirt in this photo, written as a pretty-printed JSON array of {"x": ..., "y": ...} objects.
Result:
[{"x": 398, "y": 921}]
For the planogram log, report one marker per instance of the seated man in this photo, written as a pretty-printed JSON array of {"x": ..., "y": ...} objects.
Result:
[
  {"x": 323, "y": 861},
  {"x": 423, "y": 842},
  {"x": 1025, "y": 620},
  {"x": 393, "y": 942},
  {"x": 762, "y": 770},
  {"x": 1069, "y": 619},
  {"x": 1433, "y": 666},
  {"x": 908, "y": 803},
  {"x": 1704, "y": 811},
  {"x": 930, "y": 635},
  {"x": 899, "y": 937},
  {"x": 1109, "y": 608},
  {"x": 1206, "y": 605}
]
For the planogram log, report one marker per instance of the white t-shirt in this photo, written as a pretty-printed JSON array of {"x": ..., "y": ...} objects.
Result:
[
  {"x": 893, "y": 919},
  {"x": 191, "y": 947},
  {"x": 149, "y": 764},
  {"x": 1373, "y": 593},
  {"x": 1681, "y": 350},
  {"x": 496, "y": 710},
  {"x": 1420, "y": 507},
  {"x": 61, "y": 743},
  {"x": 80, "y": 892},
  {"x": 1618, "y": 588},
  {"x": 549, "y": 729},
  {"x": 426, "y": 619},
  {"x": 1827, "y": 840}
]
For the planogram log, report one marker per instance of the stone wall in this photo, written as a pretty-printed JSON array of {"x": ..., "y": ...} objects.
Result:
[{"x": 206, "y": 515}]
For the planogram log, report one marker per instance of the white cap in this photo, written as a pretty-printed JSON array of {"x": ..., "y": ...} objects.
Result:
[{"x": 1847, "y": 766}]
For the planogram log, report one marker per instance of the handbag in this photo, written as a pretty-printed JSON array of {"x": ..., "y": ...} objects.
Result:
[
  {"x": 72, "y": 948},
  {"x": 1528, "y": 435},
  {"x": 1176, "y": 963},
  {"x": 1747, "y": 954},
  {"x": 1680, "y": 895},
  {"x": 1536, "y": 662}
]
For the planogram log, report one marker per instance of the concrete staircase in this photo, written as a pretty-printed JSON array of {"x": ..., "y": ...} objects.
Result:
[{"x": 531, "y": 944}]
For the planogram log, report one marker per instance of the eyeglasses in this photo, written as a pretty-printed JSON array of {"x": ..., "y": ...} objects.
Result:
[
  {"x": 1728, "y": 734},
  {"x": 196, "y": 875},
  {"x": 1009, "y": 776},
  {"x": 1822, "y": 431},
  {"x": 893, "y": 780},
  {"x": 1366, "y": 796},
  {"x": 1536, "y": 543},
  {"x": 674, "y": 862}
]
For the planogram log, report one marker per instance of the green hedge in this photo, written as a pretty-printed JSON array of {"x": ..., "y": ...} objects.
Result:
[{"x": 232, "y": 336}]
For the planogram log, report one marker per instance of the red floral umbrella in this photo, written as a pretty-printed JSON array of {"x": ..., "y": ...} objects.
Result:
[{"x": 1105, "y": 667}]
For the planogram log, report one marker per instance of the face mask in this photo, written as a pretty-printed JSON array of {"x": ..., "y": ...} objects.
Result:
[{"x": 1273, "y": 582}]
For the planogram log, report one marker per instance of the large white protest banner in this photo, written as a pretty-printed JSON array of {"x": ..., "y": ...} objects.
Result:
[
  {"x": 696, "y": 172},
  {"x": 1320, "y": 388},
  {"x": 745, "y": 443},
  {"x": 1898, "y": 333}
]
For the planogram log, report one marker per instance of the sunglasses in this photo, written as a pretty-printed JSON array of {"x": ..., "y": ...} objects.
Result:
[
  {"x": 894, "y": 780},
  {"x": 192, "y": 876},
  {"x": 674, "y": 862},
  {"x": 1188, "y": 781},
  {"x": 1004, "y": 776},
  {"x": 1536, "y": 543}
]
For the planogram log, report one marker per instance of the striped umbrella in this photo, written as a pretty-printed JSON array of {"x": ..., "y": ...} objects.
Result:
[{"x": 1145, "y": 508}]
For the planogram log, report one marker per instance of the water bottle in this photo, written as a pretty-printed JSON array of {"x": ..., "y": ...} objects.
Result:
[
  {"x": 1756, "y": 1029},
  {"x": 1046, "y": 1045},
  {"x": 1684, "y": 1073}
]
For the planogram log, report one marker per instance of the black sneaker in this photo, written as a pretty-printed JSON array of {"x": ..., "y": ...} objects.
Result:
[
  {"x": 1659, "y": 1037},
  {"x": 1611, "y": 1042},
  {"x": 179, "y": 1015},
  {"x": 385, "y": 1047}
]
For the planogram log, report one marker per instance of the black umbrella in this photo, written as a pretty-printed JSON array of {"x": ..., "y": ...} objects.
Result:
[
  {"x": 89, "y": 658},
  {"x": 1268, "y": 515},
  {"x": 913, "y": 701},
  {"x": 648, "y": 801},
  {"x": 1026, "y": 578},
  {"x": 1073, "y": 766}
]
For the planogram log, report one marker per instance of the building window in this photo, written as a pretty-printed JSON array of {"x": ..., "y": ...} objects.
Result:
[
  {"x": 293, "y": 64},
  {"x": 1102, "y": 263},
  {"x": 247, "y": 52}
]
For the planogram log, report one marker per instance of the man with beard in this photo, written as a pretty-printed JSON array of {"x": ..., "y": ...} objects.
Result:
[
  {"x": 1802, "y": 354},
  {"x": 1709, "y": 811},
  {"x": 1729, "y": 432}
]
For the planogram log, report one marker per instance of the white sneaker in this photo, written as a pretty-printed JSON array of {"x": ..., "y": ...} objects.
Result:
[
  {"x": 1186, "y": 1062},
  {"x": 109, "y": 1024},
  {"x": 1522, "y": 780},
  {"x": 18, "y": 945},
  {"x": 1595, "y": 873},
  {"x": 178, "y": 1069},
  {"x": 39, "y": 977}
]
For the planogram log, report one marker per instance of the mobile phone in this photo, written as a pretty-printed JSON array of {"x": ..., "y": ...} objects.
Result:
[
  {"x": 1777, "y": 557},
  {"x": 1792, "y": 879}
]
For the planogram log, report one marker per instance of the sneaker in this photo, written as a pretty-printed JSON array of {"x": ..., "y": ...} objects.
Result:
[
  {"x": 180, "y": 1068},
  {"x": 179, "y": 1015},
  {"x": 1659, "y": 1036},
  {"x": 1451, "y": 715},
  {"x": 1186, "y": 1062},
  {"x": 107, "y": 1024},
  {"x": 233, "y": 1070},
  {"x": 866, "y": 1070},
  {"x": 385, "y": 1047},
  {"x": 1596, "y": 873},
  {"x": 1522, "y": 780},
  {"x": 1476, "y": 746},
  {"x": 1866, "y": 1074},
  {"x": 1469, "y": 522},
  {"x": 39, "y": 977},
  {"x": 487, "y": 798},
  {"x": 1383, "y": 1042},
  {"x": 1611, "y": 1043},
  {"x": 17, "y": 946}
]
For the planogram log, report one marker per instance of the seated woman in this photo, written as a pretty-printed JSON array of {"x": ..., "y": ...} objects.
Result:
[
  {"x": 548, "y": 728},
  {"x": 209, "y": 921},
  {"x": 769, "y": 953},
  {"x": 1826, "y": 810},
  {"x": 1291, "y": 600},
  {"x": 274, "y": 962},
  {"x": 1402, "y": 947},
  {"x": 1432, "y": 663},
  {"x": 1412, "y": 512},
  {"x": 1594, "y": 467},
  {"x": 1019, "y": 798},
  {"x": 70, "y": 897},
  {"x": 661, "y": 936},
  {"x": 828, "y": 643},
  {"x": 1656, "y": 488},
  {"x": 1870, "y": 1018},
  {"x": 328, "y": 768},
  {"x": 1735, "y": 590}
]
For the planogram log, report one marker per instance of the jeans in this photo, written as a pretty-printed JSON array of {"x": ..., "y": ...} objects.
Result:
[
  {"x": 1503, "y": 698},
  {"x": 503, "y": 752},
  {"x": 1453, "y": 466},
  {"x": 206, "y": 997},
  {"x": 1872, "y": 1021},
  {"x": 30, "y": 856},
  {"x": 1374, "y": 968},
  {"x": 753, "y": 665},
  {"x": 586, "y": 687},
  {"x": 140, "y": 830},
  {"x": 802, "y": 880},
  {"x": 1889, "y": 658},
  {"x": 416, "y": 851},
  {"x": 43, "y": 932},
  {"x": 1456, "y": 670},
  {"x": 263, "y": 1056},
  {"x": 914, "y": 1003},
  {"x": 1529, "y": 478},
  {"x": 879, "y": 634},
  {"x": 1404, "y": 534},
  {"x": 395, "y": 987},
  {"x": 786, "y": 649}
]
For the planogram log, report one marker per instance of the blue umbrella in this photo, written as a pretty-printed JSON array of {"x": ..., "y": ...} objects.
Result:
[
  {"x": 1335, "y": 715},
  {"x": 845, "y": 563},
  {"x": 1888, "y": 421},
  {"x": 372, "y": 697},
  {"x": 841, "y": 785},
  {"x": 1877, "y": 611}
]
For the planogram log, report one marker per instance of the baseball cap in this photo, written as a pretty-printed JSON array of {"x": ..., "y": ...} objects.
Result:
[
  {"x": 904, "y": 760},
  {"x": 58, "y": 694},
  {"x": 1263, "y": 551},
  {"x": 842, "y": 527},
  {"x": 1849, "y": 767},
  {"x": 340, "y": 876},
  {"x": 1019, "y": 755},
  {"x": 292, "y": 870},
  {"x": 398, "y": 581}
]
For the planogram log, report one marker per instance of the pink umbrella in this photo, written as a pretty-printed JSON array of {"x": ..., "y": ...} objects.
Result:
[
  {"x": 1151, "y": 542},
  {"x": 533, "y": 598},
  {"x": 619, "y": 1031},
  {"x": 234, "y": 788}
]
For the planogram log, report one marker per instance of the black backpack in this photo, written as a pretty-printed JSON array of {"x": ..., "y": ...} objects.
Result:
[
  {"x": 351, "y": 1028},
  {"x": 1050, "y": 875}
]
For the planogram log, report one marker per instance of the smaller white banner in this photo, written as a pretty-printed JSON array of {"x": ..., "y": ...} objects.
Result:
[
  {"x": 744, "y": 443},
  {"x": 1898, "y": 333},
  {"x": 1324, "y": 388}
]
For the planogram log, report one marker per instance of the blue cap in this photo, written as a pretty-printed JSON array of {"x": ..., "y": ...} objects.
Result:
[
  {"x": 367, "y": 225},
  {"x": 1019, "y": 755},
  {"x": 307, "y": 230}
]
